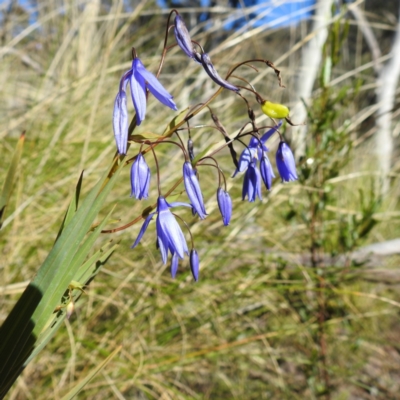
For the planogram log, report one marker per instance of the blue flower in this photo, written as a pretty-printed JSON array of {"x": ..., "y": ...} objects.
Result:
[
  {"x": 139, "y": 80},
  {"x": 267, "y": 174},
  {"x": 169, "y": 234},
  {"x": 194, "y": 264},
  {"x": 252, "y": 183},
  {"x": 225, "y": 205},
  {"x": 285, "y": 163},
  {"x": 254, "y": 150},
  {"x": 183, "y": 37},
  {"x": 193, "y": 190},
  {"x": 140, "y": 178}
]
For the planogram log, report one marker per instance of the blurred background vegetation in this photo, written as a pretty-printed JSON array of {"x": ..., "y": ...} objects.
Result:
[{"x": 298, "y": 298}]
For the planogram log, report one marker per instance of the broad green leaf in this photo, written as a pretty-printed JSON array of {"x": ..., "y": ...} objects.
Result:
[
  {"x": 94, "y": 264},
  {"x": 11, "y": 177},
  {"x": 77, "y": 261},
  {"x": 170, "y": 129},
  {"x": 73, "y": 206},
  {"x": 30, "y": 315},
  {"x": 72, "y": 393},
  {"x": 86, "y": 273}
]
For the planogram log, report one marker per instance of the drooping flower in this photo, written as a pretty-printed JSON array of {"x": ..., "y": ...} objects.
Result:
[
  {"x": 255, "y": 149},
  {"x": 194, "y": 264},
  {"x": 225, "y": 205},
  {"x": 182, "y": 36},
  {"x": 213, "y": 74},
  {"x": 252, "y": 183},
  {"x": 267, "y": 174},
  {"x": 285, "y": 163},
  {"x": 140, "y": 178},
  {"x": 169, "y": 234},
  {"x": 139, "y": 80},
  {"x": 193, "y": 190},
  {"x": 120, "y": 121}
]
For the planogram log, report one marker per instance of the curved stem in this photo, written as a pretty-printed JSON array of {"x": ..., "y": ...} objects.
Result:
[{"x": 267, "y": 62}]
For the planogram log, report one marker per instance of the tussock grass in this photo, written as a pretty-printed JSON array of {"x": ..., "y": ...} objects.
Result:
[{"x": 246, "y": 330}]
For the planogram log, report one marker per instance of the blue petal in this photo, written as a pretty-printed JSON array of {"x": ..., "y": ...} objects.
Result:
[
  {"x": 154, "y": 85},
  {"x": 174, "y": 265},
  {"x": 120, "y": 122},
  {"x": 143, "y": 230},
  {"x": 245, "y": 158},
  {"x": 252, "y": 183},
  {"x": 193, "y": 190},
  {"x": 267, "y": 174},
  {"x": 178, "y": 204},
  {"x": 138, "y": 92},
  {"x": 169, "y": 232}
]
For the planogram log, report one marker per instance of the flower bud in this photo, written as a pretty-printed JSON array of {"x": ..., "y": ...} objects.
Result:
[
  {"x": 213, "y": 74},
  {"x": 225, "y": 205},
  {"x": 194, "y": 264},
  {"x": 70, "y": 309},
  {"x": 183, "y": 37},
  {"x": 140, "y": 178}
]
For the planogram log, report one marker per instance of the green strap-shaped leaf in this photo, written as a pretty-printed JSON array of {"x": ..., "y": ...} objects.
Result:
[
  {"x": 30, "y": 315},
  {"x": 87, "y": 271},
  {"x": 73, "y": 206}
]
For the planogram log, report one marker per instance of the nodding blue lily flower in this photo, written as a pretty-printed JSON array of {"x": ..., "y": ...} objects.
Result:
[
  {"x": 169, "y": 234},
  {"x": 182, "y": 36},
  {"x": 285, "y": 163},
  {"x": 255, "y": 149},
  {"x": 252, "y": 183},
  {"x": 139, "y": 80},
  {"x": 193, "y": 190},
  {"x": 213, "y": 74},
  {"x": 225, "y": 205},
  {"x": 194, "y": 264},
  {"x": 140, "y": 178},
  {"x": 267, "y": 174}
]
